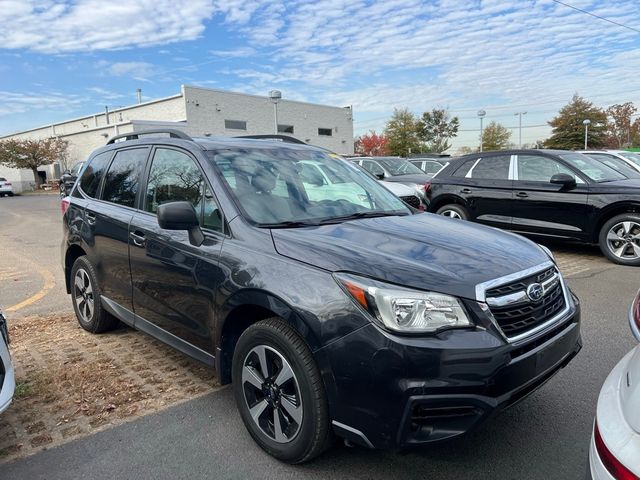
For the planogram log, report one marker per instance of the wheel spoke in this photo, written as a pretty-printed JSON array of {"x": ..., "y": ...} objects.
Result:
[
  {"x": 257, "y": 410},
  {"x": 284, "y": 375},
  {"x": 626, "y": 227},
  {"x": 294, "y": 411},
  {"x": 277, "y": 427},
  {"x": 79, "y": 300},
  {"x": 618, "y": 252},
  {"x": 636, "y": 249},
  {"x": 79, "y": 282},
  {"x": 89, "y": 304},
  {"x": 252, "y": 376},
  {"x": 613, "y": 236},
  {"x": 262, "y": 357},
  {"x": 89, "y": 290}
]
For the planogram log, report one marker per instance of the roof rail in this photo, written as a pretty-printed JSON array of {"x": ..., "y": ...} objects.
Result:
[
  {"x": 135, "y": 135},
  {"x": 282, "y": 138}
]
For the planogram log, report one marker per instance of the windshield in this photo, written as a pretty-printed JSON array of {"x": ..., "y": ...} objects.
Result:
[
  {"x": 595, "y": 170},
  {"x": 634, "y": 157},
  {"x": 399, "y": 166},
  {"x": 285, "y": 187}
]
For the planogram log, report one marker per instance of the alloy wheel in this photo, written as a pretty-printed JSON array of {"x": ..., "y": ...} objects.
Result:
[
  {"x": 623, "y": 240},
  {"x": 83, "y": 295},
  {"x": 451, "y": 214},
  {"x": 272, "y": 393}
]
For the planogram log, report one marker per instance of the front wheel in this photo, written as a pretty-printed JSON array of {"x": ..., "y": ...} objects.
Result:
[
  {"x": 454, "y": 211},
  {"x": 619, "y": 239},
  {"x": 279, "y": 392}
]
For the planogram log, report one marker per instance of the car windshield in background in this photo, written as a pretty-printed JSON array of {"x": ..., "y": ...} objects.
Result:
[
  {"x": 289, "y": 188},
  {"x": 399, "y": 166},
  {"x": 634, "y": 157},
  {"x": 595, "y": 170}
]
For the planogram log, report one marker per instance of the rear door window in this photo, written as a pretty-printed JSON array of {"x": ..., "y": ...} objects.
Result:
[
  {"x": 122, "y": 179},
  {"x": 491, "y": 168},
  {"x": 90, "y": 180}
]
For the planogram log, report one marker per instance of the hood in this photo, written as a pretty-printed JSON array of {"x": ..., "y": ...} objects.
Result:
[
  {"x": 628, "y": 186},
  {"x": 398, "y": 189},
  {"x": 630, "y": 390},
  {"x": 422, "y": 251},
  {"x": 420, "y": 178}
]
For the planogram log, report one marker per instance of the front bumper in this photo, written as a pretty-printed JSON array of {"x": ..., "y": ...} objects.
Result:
[
  {"x": 7, "y": 377},
  {"x": 393, "y": 391}
]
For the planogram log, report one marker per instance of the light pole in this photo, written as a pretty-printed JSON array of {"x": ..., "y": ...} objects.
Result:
[
  {"x": 275, "y": 96},
  {"x": 586, "y": 124},
  {"x": 481, "y": 114},
  {"x": 519, "y": 115}
]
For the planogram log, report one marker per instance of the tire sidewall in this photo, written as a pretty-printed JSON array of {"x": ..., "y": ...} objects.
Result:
[
  {"x": 602, "y": 238},
  {"x": 460, "y": 210},
  {"x": 296, "y": 449},
  {"x": 83, "y": 263}
]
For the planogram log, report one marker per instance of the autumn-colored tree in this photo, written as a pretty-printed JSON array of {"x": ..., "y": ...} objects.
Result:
[
  {"x": 495, "y": 137},
  {"x": 619, "y": 124},
  {"x": 435, "y": 128},
  {"x": 32, "y": 154},
  {"x": 372, "y": 145},
  {"x": 568, "y": 129},
  {"x": 402, "y": 132}
]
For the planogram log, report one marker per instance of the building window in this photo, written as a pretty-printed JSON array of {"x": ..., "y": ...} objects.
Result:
[
  {"x": 285, "y": 128},
  {"x": 235, "y": 124},
  {"x": 325, "y": 132}
]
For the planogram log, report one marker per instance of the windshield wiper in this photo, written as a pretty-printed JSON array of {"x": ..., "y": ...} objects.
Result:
[
  {"x": 289, "y": 224},
  {"x": 359, "y": 215}
]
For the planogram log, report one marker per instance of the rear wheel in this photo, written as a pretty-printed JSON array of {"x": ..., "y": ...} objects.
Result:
[
  {"x": 279, "y": 392},
  {"x": 85, "y": 295},
  {"x": 619, "y": 239},
  {"x": 11, "y": 194},
  {"x": 454, "y": 211}
]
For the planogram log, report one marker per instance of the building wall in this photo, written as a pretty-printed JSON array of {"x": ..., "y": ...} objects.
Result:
[
  {"x": 21, "y": 179},
  {"x": 208, "y": 109}
]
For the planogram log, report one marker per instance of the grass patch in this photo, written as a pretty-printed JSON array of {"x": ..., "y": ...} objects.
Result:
[{"x": 23, "y": 390}]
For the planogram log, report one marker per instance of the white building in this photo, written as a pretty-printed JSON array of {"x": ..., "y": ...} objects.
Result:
[{"x": 198, "y": 112}]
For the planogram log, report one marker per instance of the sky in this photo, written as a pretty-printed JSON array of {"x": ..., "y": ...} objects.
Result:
[{"x": 61, "y": 59}]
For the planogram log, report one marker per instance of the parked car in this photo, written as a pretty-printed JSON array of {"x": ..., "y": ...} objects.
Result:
[
  {"x": 6, "y": 188},
  {"x": 615, "y": 443},
  {"x": 370, "y": 322},
  {"x": 430, "y": 166},
  {"x": 68, "y": 178},
  {"x": 624, "y": 164},
  {"x": 552, "y": 193},
  {"x": 7, "y": 377},
  {"x": 396, "y": 169},
  {"x": 403, "y": 192}
]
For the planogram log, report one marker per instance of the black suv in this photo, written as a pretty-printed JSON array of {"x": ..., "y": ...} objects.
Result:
[
  {"x": 331, "y": 311},
  {"x": 553, "y": 193}
]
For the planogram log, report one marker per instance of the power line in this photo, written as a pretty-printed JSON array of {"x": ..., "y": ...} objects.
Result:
[{"x": 596, "y": 16}]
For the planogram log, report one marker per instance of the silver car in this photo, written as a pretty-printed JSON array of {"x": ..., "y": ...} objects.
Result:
[{"x": 7, "y": 377}]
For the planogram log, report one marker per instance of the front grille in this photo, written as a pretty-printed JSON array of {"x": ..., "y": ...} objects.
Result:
[
  {"x": 515, "y": 313},
  {"x": 411, "y": 200}
]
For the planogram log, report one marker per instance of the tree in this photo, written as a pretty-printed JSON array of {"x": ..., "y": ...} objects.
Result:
[
  {"x": 619, "y": 125},
  {"x": 495, "y": 137},
  {"x": 435, "y": 128},
  {"x": 32, "y": 154},
  {"x": 568, "y": 129},
  {"x": 372, "y": 145},
  {"x": 401, "y": 130}
]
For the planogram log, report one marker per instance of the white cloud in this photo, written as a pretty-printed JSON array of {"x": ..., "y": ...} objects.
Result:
[
  {"x": 105, "y": 94},
  {"x": 15, "y": 103},
  {"x": 234, "y": 53},
  {"x": 58, "y": 26},
  {"x": 138, "y": 70}
]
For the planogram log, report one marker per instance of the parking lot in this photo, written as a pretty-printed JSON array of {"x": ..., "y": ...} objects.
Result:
[{"x": 175, "y": 422}]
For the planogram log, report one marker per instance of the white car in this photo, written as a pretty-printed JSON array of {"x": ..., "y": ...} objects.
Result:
[
  {"x": 630, "y": 159},
  {"x": 615, "y": 444},
  {"x": 7, "y": 378},
  {"x": 5, "y": 187}
]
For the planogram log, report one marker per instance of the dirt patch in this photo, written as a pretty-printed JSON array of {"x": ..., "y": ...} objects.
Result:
[{"x": 70, "y": 383}]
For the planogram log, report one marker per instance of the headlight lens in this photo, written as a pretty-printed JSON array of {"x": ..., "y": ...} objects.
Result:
[{"x": 405, "y": 310}]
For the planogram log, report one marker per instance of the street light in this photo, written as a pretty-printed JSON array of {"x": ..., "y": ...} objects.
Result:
[
  {"x": 586, "y": 124},
  {"x": 481, "y": 114},
  {"x": 520, "y": 114},
  {"x": 275, "y": 96}
]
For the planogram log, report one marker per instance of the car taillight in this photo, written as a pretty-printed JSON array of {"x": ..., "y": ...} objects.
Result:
[
  {"x": 611, "y": 463},
  {"x": 427, "y": 187},
  {"x": 634, "y": 315},
  {"x": 64, "y": 205},
  {"x": 7, "y": 184}
]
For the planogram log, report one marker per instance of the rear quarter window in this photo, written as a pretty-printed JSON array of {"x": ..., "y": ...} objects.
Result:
[{"x": 90, "y": 180}]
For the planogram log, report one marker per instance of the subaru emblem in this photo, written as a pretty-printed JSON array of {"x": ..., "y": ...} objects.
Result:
[{"x": 535, "y": 291}]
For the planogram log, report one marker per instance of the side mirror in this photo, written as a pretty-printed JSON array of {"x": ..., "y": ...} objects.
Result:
[
  {"x": 67, "y": 172},
  {"x": 181, "y": 216},
  {"x": 563, "y": 179},
  {"x": 379, "y": 176}
]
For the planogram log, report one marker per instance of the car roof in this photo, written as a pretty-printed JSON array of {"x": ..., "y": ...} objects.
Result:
[{"x": 543, "y": 151}]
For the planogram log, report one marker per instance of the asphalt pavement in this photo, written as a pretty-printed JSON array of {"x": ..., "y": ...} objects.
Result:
[{"x": 544, "y": 437}]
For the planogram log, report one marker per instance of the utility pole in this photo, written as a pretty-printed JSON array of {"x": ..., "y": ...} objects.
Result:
[
  {"x": 519, "y": 115},
  {"x": 481, "y": 114}
]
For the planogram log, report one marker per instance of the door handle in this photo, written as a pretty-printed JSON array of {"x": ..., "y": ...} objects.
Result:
[
  {"x": 137, "y": 238},
  {"x": 465, "y": 190},
  {"x": 522, "y": 194},
  {"x": 91, "y": 218}
]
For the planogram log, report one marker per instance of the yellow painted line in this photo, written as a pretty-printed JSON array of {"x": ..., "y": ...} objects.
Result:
[{"x": 49, "y": 283}]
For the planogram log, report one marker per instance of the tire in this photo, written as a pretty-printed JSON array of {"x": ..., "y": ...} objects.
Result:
[
  {"x": 11, "y": 194},
  {"x": 85, "y": 296},
  {"x": 299, "y": 403},
  {"x": 454, "y": 211},
  {"x": 619, "y": 239},
  {"x": 1, "y": 195}
]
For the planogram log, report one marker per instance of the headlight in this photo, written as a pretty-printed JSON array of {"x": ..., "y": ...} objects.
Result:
[{"x": 404, "y": 310}]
